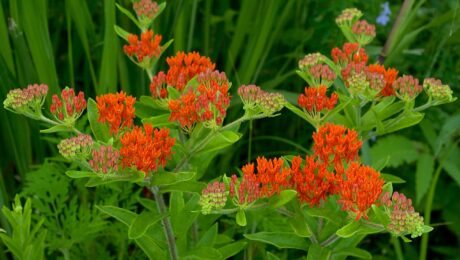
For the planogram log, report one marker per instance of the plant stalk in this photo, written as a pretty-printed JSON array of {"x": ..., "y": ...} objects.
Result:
[{"x": 167, "y": 228}]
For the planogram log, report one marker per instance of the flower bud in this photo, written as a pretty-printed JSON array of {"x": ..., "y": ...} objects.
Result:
[
  {"x": 439, "y": 92},
  {"x": 29, "y": 99},
  {"x": 407, "y": 88},
  {"x": 105, "y": 159},
  {"x": 213, "y": 196},
  {"x": 75, "y": 147},
  {"x": 348, "y": 17}
]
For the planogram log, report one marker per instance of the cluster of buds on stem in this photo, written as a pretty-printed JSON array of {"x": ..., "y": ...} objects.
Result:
[
  {"x": 404, "y": 219},
  {"x": 76, "y": 147},
  {"x": 69, "y": 107},
  {"x": 362, "y": 82},
  {"x": 214, "y": 196},
  {"x": 26, "y": 101},
  {"x": 315, "y": 101},
  {"x": 310, "y": 60},
  {"x": 355, "y": 31},
  {"x": 145, "y": 9},
  {"x": 364, "y": 32},
  {"x": 144, "y": 49},
  {"x": 256, "y": 101},
  {"x": 407, "y": 88},
  {"x": 105, "y": 160},
  {"x": 437, "y": 91}
]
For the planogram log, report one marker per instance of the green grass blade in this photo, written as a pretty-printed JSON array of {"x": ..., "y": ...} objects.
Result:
[{"x": 108, "y": 75}]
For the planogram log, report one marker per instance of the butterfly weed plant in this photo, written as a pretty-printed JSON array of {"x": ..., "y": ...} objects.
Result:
[{"x": 163, "y": 143}]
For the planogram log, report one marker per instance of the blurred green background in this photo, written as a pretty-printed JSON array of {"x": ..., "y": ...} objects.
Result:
[{"x": 72, "y": 43}]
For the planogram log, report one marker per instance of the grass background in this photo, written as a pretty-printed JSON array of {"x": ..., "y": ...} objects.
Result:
[{"x": 72, "y": 43}]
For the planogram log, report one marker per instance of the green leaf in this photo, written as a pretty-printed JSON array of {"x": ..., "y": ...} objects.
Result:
[
  {"x": 209, "y": 237},
  {"x": 232, "y": 249},
  {"x": 110, "y": 51},
  {"x": 219, "y": 142},
  {"x": 397, "y": 147},
  {"x": 329, "y": 210},
  {"x": 123, "y": 215},
  {"x": 188, "y": 186},
  {"x": 355, "y": 252},
  {"x": 56, "y": 128},
  {"x": 450, "y": 129},
  {"x": 392, "y": 178},
  {"x": 100, "y": 131},
  {"x": 282, "y": 198},
  {"x": 154, "y": 103},
  {"x": 169, "y": 178},
  {"x": 173, "y": 93},
  {"x": 80, "y": 174},
  {"x": 298, "y": 112},
  {"x": 402, "y": 121},
  {"x": 299, "y": 225},
  {"x": 158, "y": 121},
  {"x": 317, "y": 252},
  {"x": 150, "y": 247},
  {"x": 141, "y": 223},
  {"x": 241, "y": 218},
  {"x": 271, "y": 256},
  {"x": 132, "y": 176},
  {"x": 423, "y": 175},
  {"x": 129, "y": 15},
  {"x": 279, "y": 239},
  {"x": 381, "y": 216},
  {"x": 203, "y": 252},
  {"x": 121, "y": 32},
  {"x": 357, "y": 227}
]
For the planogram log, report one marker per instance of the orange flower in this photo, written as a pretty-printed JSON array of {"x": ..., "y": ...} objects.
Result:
[
  {"x": 360, "y": 188},
  {"x": 146, "y": 150},
  {"x": 148, "y": 46},
  {"x": 334, "y": 144},
  {"x": 313, "y": 182},
  {"x": 183, "y": 67},
  {"x": 207, "y": 104},
  {"x": 271, "y": 175},
  {"x": 350, "y": 52},
  {"x": 389, "y": 75},
  {"x": 116, "y": 109},
  {"x": 315, "y": 99}
]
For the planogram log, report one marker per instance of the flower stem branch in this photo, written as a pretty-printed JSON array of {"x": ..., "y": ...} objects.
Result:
[
  {"x": 167, "y": 228},
  {"x": 330, "y": 240}
]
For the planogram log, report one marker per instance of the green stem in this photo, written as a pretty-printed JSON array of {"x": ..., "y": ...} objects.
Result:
[
  {"x": 330, "y": 240},
  {"x": 250, "y": 141},
  {"x": 397, "y": 246},
  {"x": 167, "y": 228}
]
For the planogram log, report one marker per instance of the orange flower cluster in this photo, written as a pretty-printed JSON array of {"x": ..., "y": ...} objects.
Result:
[
  {"x": 360, "y": 189},
  {"x": 318, "y": 176},
  {"x": 182, "y": 68},
  {"x": 148, "y": 46},
  {"x": 389, "y": 75},
  {"x": 350, "y": 52},
  {"x": 335, "y": 144},
  {"x": 315, "y": 99},
  {"x": 314, "y": 182},
  {"x": 207, "y": 104},
  {"x": 116, "y": 109},
  {"x": 146, "y": 150}
]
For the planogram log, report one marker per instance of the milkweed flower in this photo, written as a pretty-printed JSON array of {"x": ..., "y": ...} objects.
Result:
[
  {"x": 69, "y": 107},
  {"x": 146, "y": 149},
  {"x": 207, "y": 104},
  {"x": 363, "y": 32},
  {"x": 183, "y": 67},
  {"x": 361, "y": 81},
  {"x": 105, "y": 160},
  {"x": 145, "y": 9},
  {"x": 76, "y": 147},
  {"x": 214, "y": 196},
  {"x": 313, "y": 182},
  {"x": 404, "y": 219},
  {"x": 438, "y": 91},
  {"x": 407, "y": 88},
  {"x": 245, "y": 191},
  {"x": 359, "y": 189},
  {"x": 314, "y": 100},
  {"x": 335, "y": 144},
  {"x": 322, "y": 74},
  {"x": 26, "y": 100},
  {"x": 147, "y": 47},
  {"x": 389, "y": 76},
  {"x": 271, "y": 174},
  {"x": 350, "y": 52},
  {"x": 117, "y": 110},
  {"x": 158, "y": 86}
]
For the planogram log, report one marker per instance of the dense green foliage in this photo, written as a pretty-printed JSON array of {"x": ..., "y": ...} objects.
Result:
[{"x": 73, "y": 43}]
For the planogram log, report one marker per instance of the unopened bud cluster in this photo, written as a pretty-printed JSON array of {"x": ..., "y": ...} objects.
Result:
[
  {"x": 348, "y": 17},
  {"x": 74, "y": 147},
  {"x": 145, "y": 8},
  {"x": 310, "y": 60},
  {"x": 213, "y": 196},
  {"x": 256, "y": 100},
  {"x": 407, "y": 87},
  {"x": 30, "y": 98},
  {"x": 245, "y": 191},
  {"x": 403, "y": 218},
  {"x": 363, "y": 32},
  {"x": 69, "y": 107},
  {"x": 105, "y": 160},
  {"x": 435, "y": 89},
  {"x": 322, "y": 74}
]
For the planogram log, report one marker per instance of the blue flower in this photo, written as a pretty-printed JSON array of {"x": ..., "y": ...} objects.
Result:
[{"x": 384, "y": 16}]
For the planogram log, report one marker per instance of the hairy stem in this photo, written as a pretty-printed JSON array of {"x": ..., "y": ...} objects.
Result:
[
  {"x": 397, "y": 246},
  {"x": 167, "y": 228}
]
